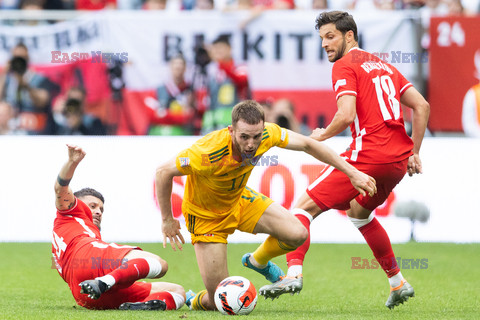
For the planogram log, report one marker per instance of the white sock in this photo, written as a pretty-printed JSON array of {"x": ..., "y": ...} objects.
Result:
[
  {"x": 361, "y": 222},
  {"x": 294, "y": 271},
  {"x": 396, "y": 280},
  {"x": 255, "y": 263},
  {"x": 155, "y": 267},
  {"x": 179, "y": 299},
  {"x": 302, "y": 212},
  {"x": 108, "y": 280}
]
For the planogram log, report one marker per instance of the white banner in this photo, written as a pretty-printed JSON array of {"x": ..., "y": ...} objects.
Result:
[
  {"x": 282, "y": 49},
  {"x": 123, "y": 169}
]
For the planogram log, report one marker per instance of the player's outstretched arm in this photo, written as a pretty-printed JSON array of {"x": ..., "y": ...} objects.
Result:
[
  {"x": 361, "y": 181},
  {"x": 163, "y": 187},
  {"x": 64, "y": 198},
  {"x": 421, "y": 111},
  {"x": 344, "y": 116}
]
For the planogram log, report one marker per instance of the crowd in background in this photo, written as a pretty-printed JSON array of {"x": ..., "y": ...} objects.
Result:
[
  {"x": 31, "y": 103},
  {"x": 435, "y": 6}
]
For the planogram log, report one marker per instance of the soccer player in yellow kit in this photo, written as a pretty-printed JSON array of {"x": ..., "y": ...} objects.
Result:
[{"x": 217, "y": 200}]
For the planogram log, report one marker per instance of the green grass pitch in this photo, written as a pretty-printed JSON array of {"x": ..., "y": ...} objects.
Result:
[{"x": 447, "y": 287}]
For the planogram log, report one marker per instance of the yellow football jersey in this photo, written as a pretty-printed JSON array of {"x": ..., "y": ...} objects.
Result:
[{"x": 215, "y": 180}]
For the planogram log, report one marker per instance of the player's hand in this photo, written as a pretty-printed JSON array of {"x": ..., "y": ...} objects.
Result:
[
  {"x": 75, "y": 153},
  {"x": 414, "y": 165},
  {"x": 317, "y": 134},
  {"x": 171, "y": 230},
  {"x": 364, "y": 183}
]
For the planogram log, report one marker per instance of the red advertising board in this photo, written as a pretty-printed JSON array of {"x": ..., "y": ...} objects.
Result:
[{"x": 454, "y": 43}]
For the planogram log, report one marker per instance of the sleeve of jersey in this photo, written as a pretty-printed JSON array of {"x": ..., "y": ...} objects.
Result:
[
  {"x": 277, "y": 134},
  {"x": 344, "y": 80},
  {"x": 69, "y": 211},
  {"x": 404, "y": 83},
  {"x": 189, "y": 161}
]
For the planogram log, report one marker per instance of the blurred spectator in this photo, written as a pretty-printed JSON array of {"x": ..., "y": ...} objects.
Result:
[
  {"x": 72, "y": 120},
  {"x": 7, "y": 118},
  {"x": 28, "y": 92},
  {"x": 176, "y": 103},
  {"x": 155, "y": 5},
  {"x": 245, "y": 5},
  {"x": 9, "y": 4},
  {"x": 455, "y": 8},
  {"x": 471, "y": 105},
  {"x": 240, "y": 5},
  {"x": 372, "y": 5},
  {"x": 275, "y": 4},
  {"x": 187, "y": 4},
  {"x": 227, "y": 85},
  {"x": 283, "y": 113},
  {"x": 95, "y": 4},
  {"x": 30, "y": 5},
  {"x": 319, "y": 4},
  {"x": 413, "y": 4},
  {"x": 204, "y": 5},
  {"x": 431, "y": 8}
]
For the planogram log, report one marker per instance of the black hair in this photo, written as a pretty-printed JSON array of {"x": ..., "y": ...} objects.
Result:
[
  {"x": 342, "y": 20},
  {"x": 89, "y": 192}
]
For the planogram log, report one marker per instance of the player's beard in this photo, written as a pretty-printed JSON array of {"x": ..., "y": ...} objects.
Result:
[
  {"x": 341, "y": 51},
  {"x": 243, "y": 155}
]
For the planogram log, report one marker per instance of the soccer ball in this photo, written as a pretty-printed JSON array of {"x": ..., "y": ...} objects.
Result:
[{"x": 235, "y": 295}]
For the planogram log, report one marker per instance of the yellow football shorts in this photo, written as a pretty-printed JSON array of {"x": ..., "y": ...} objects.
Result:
[{"x": 244, "y": 217}]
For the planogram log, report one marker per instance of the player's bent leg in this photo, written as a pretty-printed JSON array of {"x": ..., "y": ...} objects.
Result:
[
  {"x": 171, "y": 293},
  {"x": 286, "y": 234},
  {"x": 379, "y": 242},
  {"x": 282, "y": 225},
  {"x": 140, "y": 254},
  {"x": 270, "y": 270},
  {"x": 136, "y": 265},
  {"x": 305, "y": 211},
  {"x": 212, "y": 263}
]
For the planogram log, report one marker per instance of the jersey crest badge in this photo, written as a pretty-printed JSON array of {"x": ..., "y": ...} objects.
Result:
[{"x": 184, "y": 162}]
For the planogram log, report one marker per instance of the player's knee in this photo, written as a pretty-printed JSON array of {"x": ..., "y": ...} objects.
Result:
[
  {"x": 164, "y": 265},
  {"x": 298, "y": 236},
  {"x": 178, "y": 289},
  {"x": 301, "y": 236}
]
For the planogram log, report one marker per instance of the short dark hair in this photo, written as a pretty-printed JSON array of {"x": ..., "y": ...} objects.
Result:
[
  {"x": 223, "y": 38},
  {"x": 249, "y": 111},
  {"x": 89, "y": 192},
  {"x": 343, "y": 21}
]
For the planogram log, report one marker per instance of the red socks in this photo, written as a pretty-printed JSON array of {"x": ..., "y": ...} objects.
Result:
[
  {"x": 165, "y": 297},
  {"x": 379, "y": 242},
  {"x": 130, "y": 271},
  {"x": 298, "y": 256}
]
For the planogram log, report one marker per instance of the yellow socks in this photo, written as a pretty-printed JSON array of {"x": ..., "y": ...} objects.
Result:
[
  {"x": 197, "y": 301},
  {"x": 270, "y": 248}
]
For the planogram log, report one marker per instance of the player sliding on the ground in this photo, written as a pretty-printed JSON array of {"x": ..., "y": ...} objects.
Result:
[
  {"x": 369, "y": 92},
  {"x": 103, "y": 275}
]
